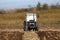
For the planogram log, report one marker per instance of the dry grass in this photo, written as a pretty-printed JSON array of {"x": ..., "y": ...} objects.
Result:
[
  {"x": 11, "y": 20},
  {"x": 48, "y": 18}
]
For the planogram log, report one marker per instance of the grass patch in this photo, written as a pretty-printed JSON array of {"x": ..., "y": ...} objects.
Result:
[{"x": 57, "y": 22}]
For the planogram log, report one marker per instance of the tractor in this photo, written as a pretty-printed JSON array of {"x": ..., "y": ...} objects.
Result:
[{"x": 31, "y": 22}]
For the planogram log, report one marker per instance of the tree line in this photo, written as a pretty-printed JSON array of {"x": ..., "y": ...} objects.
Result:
[{"x": 46, "y": 6}]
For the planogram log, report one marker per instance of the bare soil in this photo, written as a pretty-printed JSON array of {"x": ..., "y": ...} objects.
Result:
[
  {"x": 4, "y": 35},
  {"x": 49, "y": 35},
  {"x": 30, "y": 35},
  {"x": 17, "y": 34}
]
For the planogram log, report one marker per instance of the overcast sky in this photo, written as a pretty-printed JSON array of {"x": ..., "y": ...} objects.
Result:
[{"x": 24, "y": 3}]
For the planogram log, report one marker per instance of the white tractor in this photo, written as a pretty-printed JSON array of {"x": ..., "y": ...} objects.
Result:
[{"x": 31, "y": 22}]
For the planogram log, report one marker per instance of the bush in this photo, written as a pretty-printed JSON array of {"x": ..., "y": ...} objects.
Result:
[{"x": 45, "y": 6}]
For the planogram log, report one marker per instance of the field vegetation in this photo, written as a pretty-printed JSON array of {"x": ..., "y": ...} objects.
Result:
[{"x": 47, "y": 18}]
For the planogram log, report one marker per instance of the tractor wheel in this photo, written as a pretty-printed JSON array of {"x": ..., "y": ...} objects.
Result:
[
  {"x": 36, "y": 29},
  {"x": 24, "y": 28}
]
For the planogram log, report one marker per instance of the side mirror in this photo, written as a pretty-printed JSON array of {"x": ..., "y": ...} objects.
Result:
[{"x": 37, "y": 16}]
